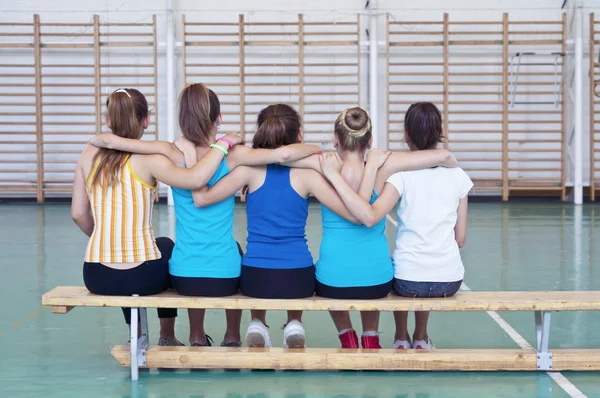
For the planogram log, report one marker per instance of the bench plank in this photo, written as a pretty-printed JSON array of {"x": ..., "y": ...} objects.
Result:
[
  {"x": 79, "y": 296},
  {"x": 331, "y": 359}
]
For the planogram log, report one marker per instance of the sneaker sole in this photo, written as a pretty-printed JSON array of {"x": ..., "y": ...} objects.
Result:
[
  {"x": 295, "y": 341},
  {"x": 255, "y": 340}
]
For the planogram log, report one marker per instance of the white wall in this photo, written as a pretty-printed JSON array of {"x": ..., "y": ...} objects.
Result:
[{"x": 275, "y": 11}]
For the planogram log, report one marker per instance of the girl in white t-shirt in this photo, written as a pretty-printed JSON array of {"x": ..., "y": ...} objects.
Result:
[{"x": 432, "y": 221}]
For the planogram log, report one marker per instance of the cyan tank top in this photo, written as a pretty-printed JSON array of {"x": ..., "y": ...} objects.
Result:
[
  {"x": 276, "y": 216},
  {"x": 205, "y": 247},
  {"x": 353, "y": 255}
]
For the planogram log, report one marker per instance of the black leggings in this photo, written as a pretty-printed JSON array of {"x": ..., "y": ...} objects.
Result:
[{"x": 150, "y": 277}]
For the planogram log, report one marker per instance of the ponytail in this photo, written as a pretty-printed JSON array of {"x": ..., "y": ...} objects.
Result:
[
  {"x": 278, "y": 125},
  {"x": 199, "y": 109},
  {"x": 127, "y": 109}
]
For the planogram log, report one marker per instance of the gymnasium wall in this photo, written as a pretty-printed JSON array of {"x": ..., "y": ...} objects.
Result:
[{"x": 276, "y": 22}]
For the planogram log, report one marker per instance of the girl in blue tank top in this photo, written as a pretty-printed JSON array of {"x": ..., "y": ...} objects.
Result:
[
  {"x": 206, "y": 259},
  {"x": 354, "y": 260},
  {"x": 277, "y": 263}
]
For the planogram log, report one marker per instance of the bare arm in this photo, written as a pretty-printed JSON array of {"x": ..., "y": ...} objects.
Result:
[
  {"x": 224, "y": 189},
  {"x": 191, "y": 178},
  {"x": 80, "y": 204},
  {"x": 244, "y": 156},
  {"x": 460, "y": 229},
  {"x": 366, "y": 213},
  {"x": 375, "y": 159},
  {"x": 414, "y": 160},
  {"x": 310, "y": 162},
  {"x": 324, "y": 192},
  {"x": 111, "y": 141}
]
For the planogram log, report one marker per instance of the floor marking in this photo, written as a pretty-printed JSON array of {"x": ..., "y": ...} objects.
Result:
[
  {"x": 14, "y": 325},
  {"x": 1, "y": 333},
  {"x": 558, "y": 377},
  {"x": 32, "y": 315}
]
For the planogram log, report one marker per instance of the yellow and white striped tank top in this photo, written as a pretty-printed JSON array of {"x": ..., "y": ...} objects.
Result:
[{"x": 122, "y": 220}]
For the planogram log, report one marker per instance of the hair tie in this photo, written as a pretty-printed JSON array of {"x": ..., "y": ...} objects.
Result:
[
  {"x": 122, "y": 90},
  {"x": 355, "y": 133}
]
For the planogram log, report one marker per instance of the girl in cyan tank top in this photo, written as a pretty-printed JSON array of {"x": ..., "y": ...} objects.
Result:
[
  {"x": 277, "y": 263},
  {"x": 206, "y": 259},
  {"x": 354, "y": 259}
]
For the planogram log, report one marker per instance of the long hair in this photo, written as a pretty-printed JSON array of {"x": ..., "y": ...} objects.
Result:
[
  {"x": 199, "y": 109},
  {"x": 278, "y": 125},
  {"x": 127, "y": 109}
]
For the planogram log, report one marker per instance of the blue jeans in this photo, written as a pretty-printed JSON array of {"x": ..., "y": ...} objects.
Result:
[{"x": 425, "y": 289}]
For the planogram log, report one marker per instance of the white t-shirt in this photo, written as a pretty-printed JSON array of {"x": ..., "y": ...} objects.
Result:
[{"x": 426, "y": 248}]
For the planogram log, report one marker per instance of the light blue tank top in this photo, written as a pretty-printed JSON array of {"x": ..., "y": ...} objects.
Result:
[
  {"x": 204, "y": 246},
  {"x": 353, "y": 255},
  {"x": 276, "y": 224}
]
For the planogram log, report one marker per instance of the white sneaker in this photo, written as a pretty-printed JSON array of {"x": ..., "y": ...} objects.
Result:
[
  {"x": 257, "y": 335},
  {"x": 293, "y": 335},
  {"x": 402, "y": 345},
  {"x": 423, "y": 345}
]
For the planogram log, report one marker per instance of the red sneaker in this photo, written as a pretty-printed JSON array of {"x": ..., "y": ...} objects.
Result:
[
  {"x": 349, "y": 339},
  {"x": 370, "y": 342}
]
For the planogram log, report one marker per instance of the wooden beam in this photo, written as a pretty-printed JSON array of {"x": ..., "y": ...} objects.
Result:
[
  {"x": 343, "y": 359},
  {"x": 446, "y": 74},
  {"x": 505, "y": 83},
  {"x": 37, "y": 55},
  {"x": 61, "y": 309},
  {"x": 592, "y": 79},
  {"x": 463, "y": 301}
]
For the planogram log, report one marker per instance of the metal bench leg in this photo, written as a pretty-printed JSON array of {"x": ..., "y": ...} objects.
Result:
[
  {"x": 133, "y": 344},
  {"x": 542, "y": 336},
  {"x": 144, "y": 340}
]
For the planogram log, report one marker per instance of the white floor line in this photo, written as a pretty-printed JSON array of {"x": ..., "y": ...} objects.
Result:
[{"x": 558, "y": 377}]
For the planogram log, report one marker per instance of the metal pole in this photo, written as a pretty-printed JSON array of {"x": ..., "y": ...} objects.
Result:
[{"x": 373, "y": 73}]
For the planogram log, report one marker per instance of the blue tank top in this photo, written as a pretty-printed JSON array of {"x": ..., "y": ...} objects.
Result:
[
  {"x": 276, "y": 216},
  {"x": 205, "y": 247},
  {"x": 353, "y": 255}
]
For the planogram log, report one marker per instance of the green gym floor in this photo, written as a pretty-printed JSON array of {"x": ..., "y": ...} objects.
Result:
[{"x": 516, "y": 246}]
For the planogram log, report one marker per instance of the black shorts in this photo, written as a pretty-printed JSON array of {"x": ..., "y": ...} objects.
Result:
[
  {"x": 207, "y": 287},
  {"x": 272, "y": 283},
  {"x": 356, "y": 292}
]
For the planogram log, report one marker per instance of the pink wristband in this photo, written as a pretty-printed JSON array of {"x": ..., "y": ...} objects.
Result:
[{"x": 226, "y": 140}]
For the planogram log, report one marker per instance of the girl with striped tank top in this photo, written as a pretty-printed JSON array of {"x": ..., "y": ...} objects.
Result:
[
  {"x": 206, "y": 259},
  {"x": 277, "y": 263},
  {"x": 354, "y": 261},
  {"x": 113, "y": 196}
]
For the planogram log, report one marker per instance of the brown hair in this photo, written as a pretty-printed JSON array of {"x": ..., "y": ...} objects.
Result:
[
  {"x": 199, "y": 109},
  {"x": 277, "y": 125},
  {"x": 423, "y": 125},
  {"x": 127, "y": 109},
  {"x": 353, "y": 129}
]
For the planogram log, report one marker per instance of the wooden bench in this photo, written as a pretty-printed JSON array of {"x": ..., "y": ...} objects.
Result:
[{"x": 140, "y": 354}]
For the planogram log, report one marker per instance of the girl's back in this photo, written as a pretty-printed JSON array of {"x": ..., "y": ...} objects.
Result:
[
  {"x": 277, "y": 216},
  {"x": 205, "y": 244},
  {"x": 426, "y": 248},
  {"x": 352, "y": 254},
  {"x": 122, "y": 215}
]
